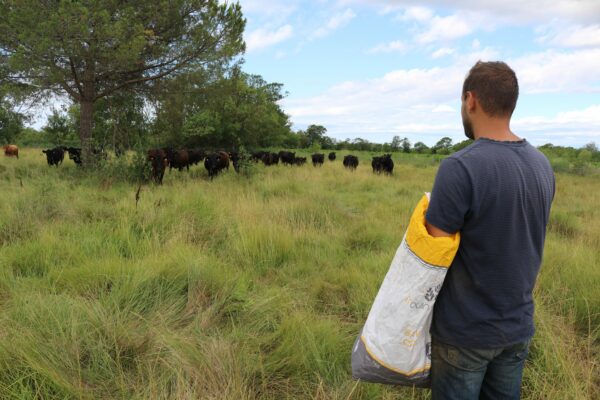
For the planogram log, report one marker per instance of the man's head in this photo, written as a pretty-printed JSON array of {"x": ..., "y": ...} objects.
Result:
[{"x": 491, "y": 88}]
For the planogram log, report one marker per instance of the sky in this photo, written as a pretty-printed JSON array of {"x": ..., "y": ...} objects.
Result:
[{"x": 377, "y": 69}]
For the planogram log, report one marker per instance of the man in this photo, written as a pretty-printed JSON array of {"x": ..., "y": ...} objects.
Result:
[{"x": 497, "y": 192}]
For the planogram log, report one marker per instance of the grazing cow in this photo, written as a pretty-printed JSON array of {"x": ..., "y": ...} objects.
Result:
[
  {"x": 216, "y": 162},
  {"x": 74, "y": 154},
  {"x": 350, "y": 162},
  {"x": 258, "y": 155},
  {"x": 270, "y": 158},
  {"x": 195, "y": 156},
  {"x": 318, "y": 159},
  {"x": 383, "y": 164},
  {"x": 11, "y": 150},
  {"x": 159, "y": 161},
  {"x": 179, "y": 159},
  {"x": 287, "y": 157},
  {"x": 55, "y": 156},
  {"x": 299, "y": 160},
  {"x": 331, "y": 156}
]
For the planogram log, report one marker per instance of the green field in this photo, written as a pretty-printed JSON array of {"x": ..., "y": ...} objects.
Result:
[{"x": 247, "y": 287}]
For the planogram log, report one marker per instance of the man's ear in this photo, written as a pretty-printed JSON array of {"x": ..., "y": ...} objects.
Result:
[{"x": 470, "y": 101}]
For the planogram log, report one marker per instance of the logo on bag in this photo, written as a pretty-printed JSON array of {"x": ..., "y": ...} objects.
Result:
[
  {"x": 419, "y": 306},
  {"x": 429, "y": 295}
]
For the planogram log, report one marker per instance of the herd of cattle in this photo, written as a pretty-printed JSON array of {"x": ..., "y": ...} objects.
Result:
[
  {"x": 214, "y": 162},
  {"x": 218, "y": 161}
]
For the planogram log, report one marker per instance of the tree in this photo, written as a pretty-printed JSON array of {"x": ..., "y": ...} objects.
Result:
[
  {"x": 396, "y": 143},
  {"x": 315, "y": 134},
  {"x": 420, "y": 147},
  {"x": 405, "y": 145},
  {"x": 93, "y": 49},
  {"x": 461, "y": 145},
  {"x": 442, "y": 146},
  {"x": 11, "y": 123},
  {"x": 58, "y": 128},
  {"x": 591, "y": 147},
  {"x": 236, "y": 109}
]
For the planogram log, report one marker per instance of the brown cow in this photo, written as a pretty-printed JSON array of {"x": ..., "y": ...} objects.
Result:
[
  {"x": 159, "y": 161},
  {"x": 11, "y": 150},
  {"x": 179, "y": 159}
]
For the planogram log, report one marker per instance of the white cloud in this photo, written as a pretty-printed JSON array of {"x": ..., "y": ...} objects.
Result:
[
  {"x": 559, "y": 71},
  {"x": 564, "y": 128},
  {"x": 420, "y": 14},
  {"x": 508, "y": 11},
  {"x": 337, "y": 21},
  {"x": 574, "y": 36},
  {"x": 396, "y": 46},
  {"x": 262, "y": 37},
  {"x": 444, "y": 51},
  {"x": 424, "y": 103}
]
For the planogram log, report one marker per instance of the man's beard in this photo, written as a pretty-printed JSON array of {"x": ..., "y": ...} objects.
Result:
[{"x": 468, "y": 126}]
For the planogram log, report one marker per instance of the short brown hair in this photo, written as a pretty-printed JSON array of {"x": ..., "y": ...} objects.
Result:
[{"x": 495, "y": 86}]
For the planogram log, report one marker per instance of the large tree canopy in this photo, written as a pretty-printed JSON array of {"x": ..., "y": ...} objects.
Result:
[
  {"x": 220, "y": 110},
  {"x": 90, "y": 49}
]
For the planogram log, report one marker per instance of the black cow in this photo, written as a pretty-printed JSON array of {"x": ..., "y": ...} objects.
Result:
[
  {"x": 331, "y": 156},
  {"x": 318, "y": 159},
  {"x": 350, "y": 162},
  {"x": 159, "y": 161},
  {"x": 287, "y": 157},
  {"x": 216, "y": 162},
  {"x": 195, "y": 156},
  {"x": 258, "y": 155},
  {"x": 55, "y": 156},
  {"x": 299, "y": 160},
  {"x": 270, "y": 158},
  {"x": 383, "y": 164},
  {"x": 74, "y": 154}
]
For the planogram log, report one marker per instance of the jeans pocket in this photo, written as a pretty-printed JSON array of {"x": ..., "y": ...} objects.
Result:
[
  {"x": 460, "y": 358},
  {"x": 522, "y": 350}
]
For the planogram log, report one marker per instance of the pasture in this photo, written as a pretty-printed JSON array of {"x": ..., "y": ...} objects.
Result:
[{"x": 247, "y": 287}]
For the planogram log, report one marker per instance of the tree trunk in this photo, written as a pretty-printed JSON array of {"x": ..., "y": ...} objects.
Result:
[
  {"x": 85, "y": 130},
  {"x": 87, "y": 113}
]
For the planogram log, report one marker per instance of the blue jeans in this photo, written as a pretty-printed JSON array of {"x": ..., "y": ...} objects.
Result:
[{"x": 468, "y": 374}]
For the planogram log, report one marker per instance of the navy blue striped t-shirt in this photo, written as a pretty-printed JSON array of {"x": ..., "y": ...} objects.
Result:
[{"x": 498, "y": 195}]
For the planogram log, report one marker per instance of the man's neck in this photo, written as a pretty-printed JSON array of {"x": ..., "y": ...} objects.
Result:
[{"x": 495, "y": 129}]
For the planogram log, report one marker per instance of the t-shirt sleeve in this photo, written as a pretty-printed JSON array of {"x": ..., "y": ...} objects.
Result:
[{"x": 450, "y": 198}]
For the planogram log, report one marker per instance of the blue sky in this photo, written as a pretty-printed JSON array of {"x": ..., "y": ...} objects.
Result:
[{"x": 375, "y": 69}]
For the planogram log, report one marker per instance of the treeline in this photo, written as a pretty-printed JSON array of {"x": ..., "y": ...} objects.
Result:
[
  {"x": 224, "y": 108},
  {"x": 314, "y": 137}
]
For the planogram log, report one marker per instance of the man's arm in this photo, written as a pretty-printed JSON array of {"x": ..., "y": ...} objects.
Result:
[
  {"x": 435, "y": 231},
  {"x": 449, "y": 200}
]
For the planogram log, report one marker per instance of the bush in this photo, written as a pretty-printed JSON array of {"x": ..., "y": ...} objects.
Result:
[
  {"x": 130, "y": 167},
  {"x": 560, "y": 165},
  {"x": 580, "y": 167}
]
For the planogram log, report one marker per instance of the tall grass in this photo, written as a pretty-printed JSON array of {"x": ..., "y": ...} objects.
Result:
[{"x": 247, "y": 287}]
